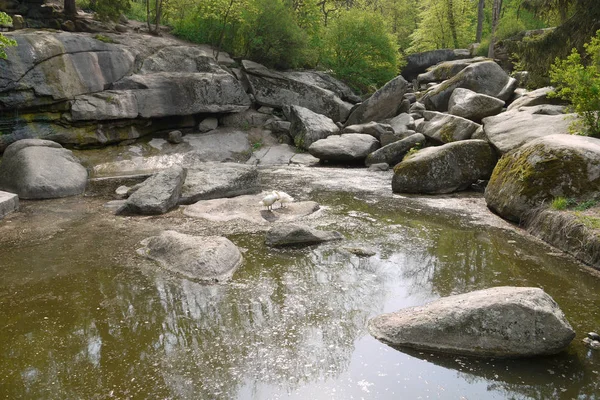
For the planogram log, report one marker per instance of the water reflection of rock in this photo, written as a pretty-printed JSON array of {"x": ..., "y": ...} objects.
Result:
[
  {"x": 286, "y": 325},
  {"x": 563, "y": 376}
]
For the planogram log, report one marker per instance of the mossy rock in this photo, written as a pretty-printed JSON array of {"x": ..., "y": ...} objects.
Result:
[
  {"x": 541, "y": 170},
  {"x": 444, "y": 169}
]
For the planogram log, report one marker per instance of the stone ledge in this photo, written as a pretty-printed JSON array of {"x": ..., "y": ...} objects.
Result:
[{"x": 9, "y": 202}]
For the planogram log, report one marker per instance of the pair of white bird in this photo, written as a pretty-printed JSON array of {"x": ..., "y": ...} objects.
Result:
[{"x": 275, "y": 196}]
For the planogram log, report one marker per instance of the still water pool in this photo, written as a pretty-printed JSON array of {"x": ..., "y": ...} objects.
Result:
[{"x": 81, "y": 317}]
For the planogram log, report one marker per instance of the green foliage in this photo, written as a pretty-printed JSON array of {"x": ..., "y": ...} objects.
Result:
[
  {"x": 103, "y": 38},
  {"x": 106, "y": 10},
  {"x": 4, "y": 41},
  {"x": 360, "y": 51},
  {"x": 586, "y": 205},
  {"x": 580, "y": 84},
  {"x": 560, "y": 203},
  {"x": 137, "y": 11}
]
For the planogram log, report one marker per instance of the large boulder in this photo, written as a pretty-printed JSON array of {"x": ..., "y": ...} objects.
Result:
[
  {"x": 419, "y": 62},
  {"x": 512, "y": 129},
  {"x": 307, "y": 126},
  {"x": 217, "y": 180},
  {"x": 535, "y": 98},
  {"x": 384, "y": 103},
  {"x": 446, "y": 128},
  {"x": 484, "y": 77},
  {"x": 444, "y": 169},
  {"x": 324, "y": 81},
  {"x": 393, "y": 153},
  {"x": 41, "y": 169},
  {"x": 349, "y": 147},
  {"x": 293, "y": 235},
  {"x": 474, "y": 106},
  {"x": 506, "y": 322},
  {"x": 372, "y": 128},
  {"x": 275, "y": 89},
  {"x": 446, "y": 70},
  {"x": 208, "y": 258},
  {"x": 158, "y": 194},
  {"x": 402, "y": 123},
  {"x": 534, "y": 174}
]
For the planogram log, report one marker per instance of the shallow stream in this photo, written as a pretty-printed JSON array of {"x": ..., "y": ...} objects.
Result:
[{"x": 82, "y": 317}]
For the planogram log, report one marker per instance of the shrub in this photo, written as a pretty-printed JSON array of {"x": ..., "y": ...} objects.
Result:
[
  {"x": 580, "y": 84},
  {"x": 4, "y": 41},
  {"x": 560, "y": 203},
  {"x": 359, "y": 50}
]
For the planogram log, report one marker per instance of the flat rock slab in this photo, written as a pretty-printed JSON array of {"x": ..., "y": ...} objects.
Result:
[
  {"x": 247, "y": 208},
  {"x": 204, "y": 258},
  {"x": 293, "y": 235},
  {"x": 218, "y": 180},
  {"x": 503, "y": 322},
  {"x": 9, "y": 202},
  {"x": 280, "y": 154}
]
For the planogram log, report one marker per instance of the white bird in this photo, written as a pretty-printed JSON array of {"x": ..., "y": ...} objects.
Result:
[
  {"x": 283, "y": 197},
  {"x": 268, "y": 201}
]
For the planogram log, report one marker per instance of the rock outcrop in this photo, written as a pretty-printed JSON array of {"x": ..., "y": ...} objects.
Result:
[
  {"x": 485, "y": 77},
  {"x": 349, "y": 147},
  {"x": 282, "y": 235},
  {"x": 553, "y": 166},
  {"x": 384, "y": 103},
  {"x": 41, "y": 169},
  {"x": 506, "y": 322},
  {"x": 307, "y": 126},
  {"x": 444, "y": 169},
  {"x": 512, "y": 129},
  {"x": 474, "y": 106},
  {"x": 202, "y": 258}
]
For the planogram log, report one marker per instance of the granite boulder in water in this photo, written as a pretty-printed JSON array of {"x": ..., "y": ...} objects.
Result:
[{"x": 504, "y": 322}]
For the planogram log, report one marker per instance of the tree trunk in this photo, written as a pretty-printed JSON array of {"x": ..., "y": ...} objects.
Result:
[
  {"x": 452, "y": 23},
  {"x": 480, "y": 18},
  {"x": 497, "y": 8},
  {"x": 70, "y": 8}
]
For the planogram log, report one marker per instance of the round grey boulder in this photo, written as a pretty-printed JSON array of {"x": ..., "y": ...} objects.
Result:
[
  {"x": 505, "y": 322},
  {"x": 474, "y": 106},
  {"x": 41, "y": 169},
  {"x": 349, "y": 147},
  {"x": 207, "y": 258}
]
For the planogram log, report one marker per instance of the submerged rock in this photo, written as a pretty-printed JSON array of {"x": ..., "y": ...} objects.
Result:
[
  {"x": 291, "y": 234},
  {"x": 543, "y": 169},
  {"x": 204, "y": 258},
  {"x": 158, "y": 194},
  {"x": 497, "y": 322},
  {"x": 444, "y": 169},
  {"x": 41, "y": 169}
]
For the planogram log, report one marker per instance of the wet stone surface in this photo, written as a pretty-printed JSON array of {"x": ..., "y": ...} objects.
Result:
[{"x": 83, "y": 316}]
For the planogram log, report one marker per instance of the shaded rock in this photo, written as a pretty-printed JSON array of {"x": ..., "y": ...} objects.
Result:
[
  {"x": 512, "y": 129},
  {"x": 391, "y": 137},
  {"x": 208, "y": 124},
  {"x": 41, "y": 169},
  {"x": 535, "y": 98},
  {"x": 534, "y": 174},
  {"x": 393, "y": 153},
  {"x": 384, "y": 103},
  {"x": 245, "y": 119},
  {"x": 402, "y": 123},
  {"x": 175, "y": 137},
  {"x": 9, "y": 202},
  {"x": 474, "y": 106},
  {"x": 419, "y": 62},
  {"x": 203, "y": 258},
  {"x": 485, "y": 77},
  {"x": 446, "y": 128},
  {"x": 497, "y": 322},
  {"x": 307, "y": 127},
  {"x": 217, "y": 180},
  {"x": 446, "y": 70},
  {"x": 444, "y": 169},
  {"x": 275, "y": 89},
  {"x": 277, "y": 126},
  {"x": 158, "y": 194},
  {"x": 374, "y": 129},
  {"x": 282, "y": 235},
  {"x": 325, "y": 81},
  {"x": 349, "y": 147}
]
